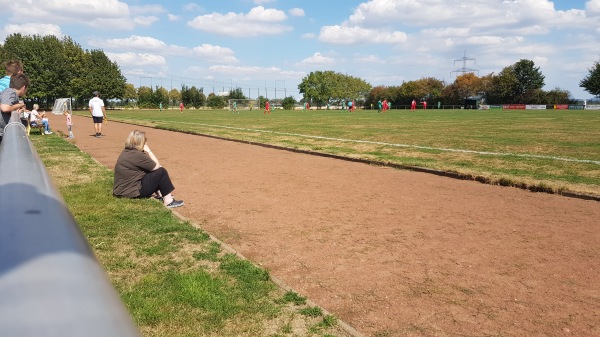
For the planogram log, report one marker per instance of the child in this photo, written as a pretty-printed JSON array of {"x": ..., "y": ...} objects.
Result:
[{"x": 67, "y": 113}]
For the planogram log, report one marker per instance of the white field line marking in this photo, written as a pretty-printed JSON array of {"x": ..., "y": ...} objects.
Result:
[{"x": 487, "y": 153}]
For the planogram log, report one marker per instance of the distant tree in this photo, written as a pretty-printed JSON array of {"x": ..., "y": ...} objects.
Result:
[
  {"x": 145, "y": 97},
  {"x": 236, "y": 93},
  {"x": 174, "y": 96},
  {"x": 529, "y": 78},
  {"x": 106, "y": 76},
  {"x": 377, "y": 93},
  {"x": 215, "y": 102},
  {"x": 262, "y": 100},
  {"x": 558, "y": 96},
  {"x": 197, "y": 97},
  {"x": 467, "y": 85},
  {"x": 288, "y": 103},
  {"x": 320, "y": 87},
  {"x": 130, "y": 94},
  {"x": 591, "y": 83},
  {"x": 160, "y": 97}
]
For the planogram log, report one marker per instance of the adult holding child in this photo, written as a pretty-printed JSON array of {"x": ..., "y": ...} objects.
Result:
[
  {"x": 138, "y": 174},
  {"x": 9, "y": 99},
  {"x": 98, "y": 112}
]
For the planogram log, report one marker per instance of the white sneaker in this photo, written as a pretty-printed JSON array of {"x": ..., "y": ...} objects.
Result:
[{"x": 48, "y": 132}]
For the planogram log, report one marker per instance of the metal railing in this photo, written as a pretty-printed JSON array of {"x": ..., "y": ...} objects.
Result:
[{"x": 50, "y": 281}]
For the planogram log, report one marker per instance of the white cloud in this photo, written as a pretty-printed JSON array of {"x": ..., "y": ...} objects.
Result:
[
  {"x": 258, "y": 22},
  {"x": 368, "y": 59},
  {"x": 309, "y": 36},
  {"x": 104, "y": 14},
  {"x": 133, "y": 42},
  {"x": 173, "y": 17},
  {"x": 353, "y": 35},
  {"x": 145, "y": 20},
  {"x": 592, "y": 8},
  {"x": 296, "y": 12},
  {"x": 134, "y": 59},
  {"x": 215, "y": 54},
  {"x": 31, "y": 29},
  {"x": 148, "y": 9},
  {"x": 318, "y": 59},
  {"x": 192, "y": 7}
]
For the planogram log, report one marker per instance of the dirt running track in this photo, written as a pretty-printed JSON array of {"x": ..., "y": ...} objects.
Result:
[{"x": 390, "y": 252}]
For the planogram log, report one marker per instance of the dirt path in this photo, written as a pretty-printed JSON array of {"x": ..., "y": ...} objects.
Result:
[{"x": 392, "y": 253}]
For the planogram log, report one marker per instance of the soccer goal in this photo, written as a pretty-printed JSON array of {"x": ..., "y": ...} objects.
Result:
[
  {"x": 243, "y": 104},
  {"x": 61, "y": 105}
]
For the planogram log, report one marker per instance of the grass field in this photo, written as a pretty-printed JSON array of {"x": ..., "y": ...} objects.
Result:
[
  {"x": 551, "y": 150},
  {"x": 173, "y": 278}
]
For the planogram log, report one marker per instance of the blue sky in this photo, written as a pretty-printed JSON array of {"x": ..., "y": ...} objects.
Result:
[{"x": 266, "y": 47}]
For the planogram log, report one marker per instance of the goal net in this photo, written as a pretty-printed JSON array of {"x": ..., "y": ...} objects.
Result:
[
  {"x": 61, "y": 105},
  {"x": 243, "y": 104}
]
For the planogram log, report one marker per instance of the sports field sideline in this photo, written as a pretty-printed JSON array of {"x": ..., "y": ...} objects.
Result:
[{"x": 553, "y": 150}]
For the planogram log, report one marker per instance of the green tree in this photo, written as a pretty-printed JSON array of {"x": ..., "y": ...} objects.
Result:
[
  {"x": 145, "y": 97},
  {"x": 106, "y": 76},
  {"x": 557, "y": 96},
  {"x": 174, "y": 96},
  {"x": 320, "y": 87},
  {"x": 60, "y": 68},
  {"x": 591, "y": 83},
  {"x": 529, "y": 78},
  {"x": 288, "y": 103},
  {"x": 130, "y": 94},
  {"x": 215, "y": 102},
  {"x": 160, "y": 96},
  {"x": 237, "y": 93}
]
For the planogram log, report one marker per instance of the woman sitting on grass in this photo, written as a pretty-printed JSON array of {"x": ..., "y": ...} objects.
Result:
[{"x": 138, "y": 173}]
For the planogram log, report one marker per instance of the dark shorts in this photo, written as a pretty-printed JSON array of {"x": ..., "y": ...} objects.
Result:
[{"x": 97, "y": 119}]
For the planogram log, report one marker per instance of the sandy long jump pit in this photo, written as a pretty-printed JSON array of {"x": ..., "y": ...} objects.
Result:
[{"x": 390, "y": 252}]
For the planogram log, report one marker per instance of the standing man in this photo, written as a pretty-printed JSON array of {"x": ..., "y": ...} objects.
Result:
[
  {"x": 181, "y": 107},
  {"x": 98, "y": 113},
  {"x": 413, "y": 105}
]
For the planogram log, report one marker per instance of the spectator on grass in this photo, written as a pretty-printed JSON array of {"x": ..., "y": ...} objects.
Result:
[
  {"x": 138, "y": 174},
  {"x": 9, "y": 99},
  {"x": 12, "y": 68},
  {"x": 39, "y": 118}
]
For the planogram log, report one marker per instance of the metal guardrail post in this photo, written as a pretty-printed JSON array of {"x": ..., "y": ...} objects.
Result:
[{"x": 50, "y": 281}]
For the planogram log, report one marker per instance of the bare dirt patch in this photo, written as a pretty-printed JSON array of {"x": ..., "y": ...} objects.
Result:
[{"x": 391, "y": 252}]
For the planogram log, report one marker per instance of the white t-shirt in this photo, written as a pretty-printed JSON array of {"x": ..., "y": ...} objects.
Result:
[
  {"x": 33, "y": 116},
  {"x": 96, "y": 104}
]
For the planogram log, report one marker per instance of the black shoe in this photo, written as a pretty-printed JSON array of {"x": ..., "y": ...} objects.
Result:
[{"x": 175, "y": 203}]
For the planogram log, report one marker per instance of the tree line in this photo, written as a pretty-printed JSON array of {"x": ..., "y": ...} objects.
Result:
[
  {"x": 521, "y": 82},
  {"x": 61, "y": 68}
]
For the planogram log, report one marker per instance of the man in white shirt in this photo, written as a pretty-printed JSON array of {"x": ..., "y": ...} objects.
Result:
[{"x": 98, "y": 113}]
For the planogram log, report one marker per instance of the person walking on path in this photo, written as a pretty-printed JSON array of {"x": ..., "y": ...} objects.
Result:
[{"x": 98, "y": 112}]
